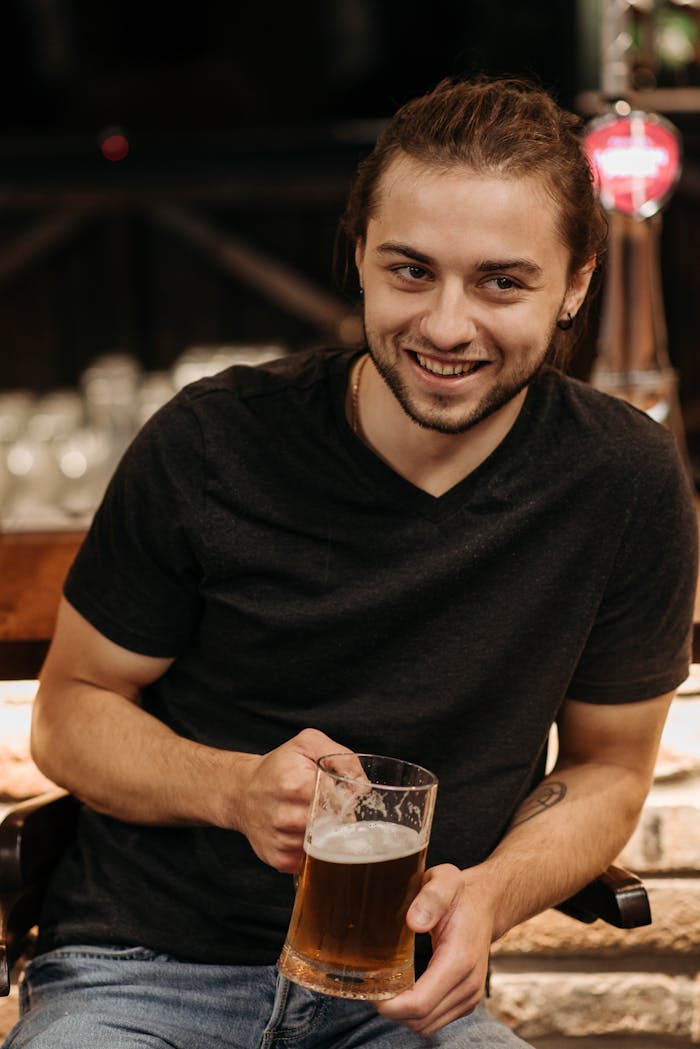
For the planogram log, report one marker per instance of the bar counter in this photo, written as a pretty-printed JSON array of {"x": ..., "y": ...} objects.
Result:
[{"x": 32, "y": 569}]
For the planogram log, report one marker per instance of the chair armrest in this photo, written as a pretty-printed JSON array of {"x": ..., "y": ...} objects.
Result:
[
  {"x": 616, "y": 896},
  {"x": 33, "y": 836},
  {"x": 19, "y": 913}
]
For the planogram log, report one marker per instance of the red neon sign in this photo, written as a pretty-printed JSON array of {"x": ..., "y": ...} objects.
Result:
[{"x": 636, "y": 161}]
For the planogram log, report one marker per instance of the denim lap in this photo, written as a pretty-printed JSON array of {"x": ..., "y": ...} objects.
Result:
[{"x": 111, "y": 998}]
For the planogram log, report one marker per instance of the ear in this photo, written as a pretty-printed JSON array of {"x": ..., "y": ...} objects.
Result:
[
  {"x": 578, "y": 287},
  {"x": 360, "y": 259}
]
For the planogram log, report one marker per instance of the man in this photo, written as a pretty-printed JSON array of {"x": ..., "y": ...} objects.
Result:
[{"x": 433, "y": 548}]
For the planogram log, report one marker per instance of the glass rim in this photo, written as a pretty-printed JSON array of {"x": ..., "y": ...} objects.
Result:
[{"x": 432, "y": 780}]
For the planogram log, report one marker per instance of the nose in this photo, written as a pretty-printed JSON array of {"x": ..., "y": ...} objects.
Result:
[{"x": 448, "y": 319}]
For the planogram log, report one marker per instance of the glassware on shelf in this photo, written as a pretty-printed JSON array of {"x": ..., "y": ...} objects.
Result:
[
  {"x": 198, "y": 362},
  {"x": 84, "y": 461},
  {"x": 31, "y": 477},
  {"x": 15, "y": 409},
  {"x": 110, "y": 387},
  {"x": 58, "y": 451},
  {"x": 155, "y": 390}
]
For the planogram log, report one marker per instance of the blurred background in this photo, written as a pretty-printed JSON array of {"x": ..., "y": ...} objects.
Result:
[{"x": 171, "y": 178}]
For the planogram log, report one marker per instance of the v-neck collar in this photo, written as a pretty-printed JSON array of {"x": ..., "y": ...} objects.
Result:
[{"x": 392, "y": 484}]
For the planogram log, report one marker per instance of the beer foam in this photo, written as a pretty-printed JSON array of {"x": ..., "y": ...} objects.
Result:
[{"x": 369, "y": 841}]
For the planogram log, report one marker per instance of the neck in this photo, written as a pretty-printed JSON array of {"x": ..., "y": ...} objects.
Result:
[{"x": 428, "y": 459}]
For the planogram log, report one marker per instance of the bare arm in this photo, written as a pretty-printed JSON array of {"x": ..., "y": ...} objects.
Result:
[
  {"x": 576, "y": 822},
  {"x": 91, "y": 736},
  {"x": 566, "y": 833}
]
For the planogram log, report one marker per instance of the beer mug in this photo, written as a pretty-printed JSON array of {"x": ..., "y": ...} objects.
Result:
[{"x": 364, "y": 857}]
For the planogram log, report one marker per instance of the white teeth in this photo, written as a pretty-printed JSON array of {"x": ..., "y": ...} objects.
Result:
[{"x": 445, "y": 369}]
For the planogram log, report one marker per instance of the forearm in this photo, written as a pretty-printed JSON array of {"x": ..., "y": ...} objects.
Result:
[
  {"x": 91, "y": 736},
  {"x": 566, "y": 833},
  {"x": 125, "y": 763}
]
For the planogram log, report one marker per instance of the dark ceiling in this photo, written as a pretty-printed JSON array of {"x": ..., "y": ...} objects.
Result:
[{"x": 197, "y": 71}]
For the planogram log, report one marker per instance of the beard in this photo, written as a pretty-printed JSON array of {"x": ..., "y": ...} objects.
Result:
[{"x": 438, "y": 412}]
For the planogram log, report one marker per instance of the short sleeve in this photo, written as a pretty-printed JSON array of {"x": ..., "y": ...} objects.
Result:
[
  {"x": 136, "y": 576},
  {"x": 640, "y": 644}
]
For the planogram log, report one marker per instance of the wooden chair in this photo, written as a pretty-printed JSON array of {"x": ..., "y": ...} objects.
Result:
[{"x": 34, "y": 835}]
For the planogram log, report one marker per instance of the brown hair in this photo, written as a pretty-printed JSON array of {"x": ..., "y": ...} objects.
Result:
[{"x": 510, "y": 128}]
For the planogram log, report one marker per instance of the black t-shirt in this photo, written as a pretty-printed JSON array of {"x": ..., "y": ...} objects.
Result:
[{"x": 300, "y": 582}]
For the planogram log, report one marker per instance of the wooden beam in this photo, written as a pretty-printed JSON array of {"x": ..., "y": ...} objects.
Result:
[
  {"x": 266, "y": 275},
  {"x": 33, "y": 244}
]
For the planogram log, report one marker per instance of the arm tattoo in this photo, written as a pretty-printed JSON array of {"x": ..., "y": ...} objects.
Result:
[{"x": 547, "y": 795}]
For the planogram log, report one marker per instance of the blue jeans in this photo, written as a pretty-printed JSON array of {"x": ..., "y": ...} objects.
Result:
[{"x": 112, "y": 998}]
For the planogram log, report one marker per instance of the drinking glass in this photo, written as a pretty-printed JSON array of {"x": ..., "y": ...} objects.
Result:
[{"x": 364, "y": 856}]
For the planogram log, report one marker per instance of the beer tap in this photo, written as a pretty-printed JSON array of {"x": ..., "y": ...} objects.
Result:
[{"x": 635, "y": 158}]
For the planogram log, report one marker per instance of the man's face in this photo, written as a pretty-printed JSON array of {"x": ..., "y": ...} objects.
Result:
[{"x": 464, "y": 277}]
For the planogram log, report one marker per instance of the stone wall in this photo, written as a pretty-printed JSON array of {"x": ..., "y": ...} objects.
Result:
[{"x": 564, "y": 985}]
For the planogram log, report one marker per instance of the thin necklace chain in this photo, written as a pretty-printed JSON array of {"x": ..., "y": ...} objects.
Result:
[{"x": 355, "y": 399}]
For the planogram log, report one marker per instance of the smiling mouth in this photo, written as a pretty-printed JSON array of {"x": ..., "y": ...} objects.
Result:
[{"x": 456, "y": 368}]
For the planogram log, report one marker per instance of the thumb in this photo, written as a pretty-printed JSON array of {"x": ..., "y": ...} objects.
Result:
[
  {"x": 314, "y": 744},
  {"x": 437, "y": 896}
]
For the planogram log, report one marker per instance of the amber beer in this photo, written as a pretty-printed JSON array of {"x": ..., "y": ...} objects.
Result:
[
  {"x": 349, "y": 920},
  {"x": 364, "y": 857}
]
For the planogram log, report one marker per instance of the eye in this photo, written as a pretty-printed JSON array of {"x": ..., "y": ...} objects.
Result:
[
  {"x": 411, "y": 272},
  {"x": 502, "y": 283}
]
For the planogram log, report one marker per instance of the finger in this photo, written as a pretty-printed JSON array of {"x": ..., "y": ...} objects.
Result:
[
  {"x": 438, "y": 895},
  {"x": 310, "y": 745},
  {"x": 428, "y": 994},
  {"x": 314, "y": 744},
  {"x": 284, "y": 857},
  {"x": 345, "y": 762},
  {"x": 293, "y": 778},
  {"x": 450, "y": 996},
  {"x": 450, "y": 971},
  {"x": 451, "y": 986},
  {"x": 283, "y": 864},
  {"x": 289, "y": 820},
  {"x": 444, "y": 1014},
  {"x": 432, "y": 1004}
]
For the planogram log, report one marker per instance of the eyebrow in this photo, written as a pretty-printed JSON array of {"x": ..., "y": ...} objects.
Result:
[
  {"x": 487, "y": 266},
  {"x": 523, "y": 265},
  {"x": 390, "y": 247}
]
